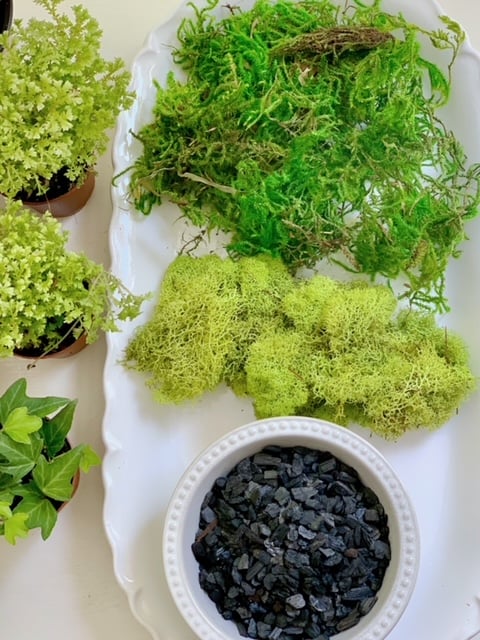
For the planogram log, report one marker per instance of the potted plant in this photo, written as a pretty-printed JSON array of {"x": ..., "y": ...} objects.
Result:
[
  {"x": 39, "y": 469},
  {"x": 59, "y": 99},
  {"x": 49, "y": 295}
]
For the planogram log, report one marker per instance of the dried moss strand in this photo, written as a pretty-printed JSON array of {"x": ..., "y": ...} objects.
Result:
[{"x": 335, "y": 40}]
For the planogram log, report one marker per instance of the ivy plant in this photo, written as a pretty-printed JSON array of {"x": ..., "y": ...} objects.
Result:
[
  {"x": 49, "y": 294},
  {"x": 59, "y": 98},
  {"x": 37, "y": 463}
]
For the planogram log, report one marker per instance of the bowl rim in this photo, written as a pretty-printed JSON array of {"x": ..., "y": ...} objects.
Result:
[{"x": 349, "y": 447}]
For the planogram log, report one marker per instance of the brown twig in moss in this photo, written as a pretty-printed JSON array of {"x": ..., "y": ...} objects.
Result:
[{"x": 334, "y": 40}]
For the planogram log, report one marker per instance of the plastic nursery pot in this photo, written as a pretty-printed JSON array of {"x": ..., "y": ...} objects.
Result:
[
  {"x": 69, "y": 350},
  {"x": 67, "y": 204},
  {"x": 6, "y": 13},
  {"x": 181, "y": 527}
]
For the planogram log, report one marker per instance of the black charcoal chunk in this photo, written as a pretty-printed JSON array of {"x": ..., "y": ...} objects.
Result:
[
  {"x": 208, "y": 515},
  {"x": 308, "y": 534},
  {"x": 367, "y": 605},
  {"x": 303, "y": 493},
  {"x": 358, "y": 593},
  {"x": 297, "y": 601},
  {"x": 263, "y": 629},
  {"x": 282, "y": 495}
]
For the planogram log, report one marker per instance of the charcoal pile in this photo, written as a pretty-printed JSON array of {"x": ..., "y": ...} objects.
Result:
[{"x": 291, "y": 544}]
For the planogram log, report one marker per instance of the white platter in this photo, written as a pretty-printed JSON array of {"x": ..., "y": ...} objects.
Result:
[{"x": 149, "y": 446}]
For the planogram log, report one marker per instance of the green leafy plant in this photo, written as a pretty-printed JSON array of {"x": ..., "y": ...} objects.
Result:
[
  {"x": 306, "y": 132},
  {"x": 59, "y": 98},
  {"x": 37, "y": 463},
  {"x": 48, "y": 294}
]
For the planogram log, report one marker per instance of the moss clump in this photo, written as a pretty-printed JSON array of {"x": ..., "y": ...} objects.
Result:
[
  {"x": 183, "y": 350},
  {"x": 310, "y": 132},
  {"x": 316, "y": 347},
  {"x": 210, "y": 310},
  {"x": 262, "y": 285}
]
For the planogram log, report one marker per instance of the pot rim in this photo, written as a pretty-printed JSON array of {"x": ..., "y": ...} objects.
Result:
[{"x": 68, "y": 203}]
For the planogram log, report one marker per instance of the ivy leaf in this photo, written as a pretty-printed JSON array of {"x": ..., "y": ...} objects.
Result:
[
  {"x": 16, "y": 527},
  {"x": 20, "y": 424},
  {"x": 5, "y": 511},
  {"x": 54, "y": 478},
  {"x": 18, "y": 459},
  {"x": 39, "y": 512},
  {"x": 6, "y": 496},
  {"x": 8, "y": 481},
  {"x": 89, "y": 458},
  {"x": 56, "y": 429},
  {"x": 28, "y": 489},
  {"x": 15, "y": 396}
]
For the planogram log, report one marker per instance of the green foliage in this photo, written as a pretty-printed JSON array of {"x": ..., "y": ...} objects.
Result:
[
  {"x": 316, "y": 347},
  {"x": 58, "y": 99},
  {"x": 44, "y": 288},
  {"x": 37, "y": 463},
  {"x": 305, "y": 155}
]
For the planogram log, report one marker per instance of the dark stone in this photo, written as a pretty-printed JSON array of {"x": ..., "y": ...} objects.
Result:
[
  {"x": 320, "y": 604},
  {"x": 303, "y": 493},
  {"x": 296, "y": 601},
  {"x": 252, "y": 628},
  {"x": 282, "y": 495},
  {"x": 263, "y": 630},
  {"x": 381, "y": 549},
  {"x": 208, "y": 515},
  {"x": 254, "y": 569},
  {"x": 348, "y": 621},
  {"x": 367, "y": 605},
  {"x": 308, "y": 534},
  {"x": 358, "y": 593}
]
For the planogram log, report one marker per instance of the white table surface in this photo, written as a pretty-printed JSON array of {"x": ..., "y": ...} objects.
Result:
[{"x": 65, "y": 588}]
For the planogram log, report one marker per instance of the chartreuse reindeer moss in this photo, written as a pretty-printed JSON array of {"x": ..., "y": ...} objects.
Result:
[
  {"x": 317, "y": 347},
  {"x": 310, "y": 131}
]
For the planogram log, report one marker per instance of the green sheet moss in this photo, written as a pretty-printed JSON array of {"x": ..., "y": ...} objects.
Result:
[
  {"x": 317, "y": 347},
  {"x": 306, "y": 143}
]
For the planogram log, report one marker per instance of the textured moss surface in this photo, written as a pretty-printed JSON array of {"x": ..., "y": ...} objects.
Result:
[{"x": 316, "y": 347}]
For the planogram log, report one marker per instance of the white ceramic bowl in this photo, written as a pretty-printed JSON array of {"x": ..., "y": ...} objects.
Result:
[{"x": 182, "y": 517}]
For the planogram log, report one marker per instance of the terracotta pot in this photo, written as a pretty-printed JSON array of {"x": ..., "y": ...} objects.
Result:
[
  {"x": 66, "y": 352},
  {"x": 68, "y": 203},
  {"x": 69, "y": 350}
]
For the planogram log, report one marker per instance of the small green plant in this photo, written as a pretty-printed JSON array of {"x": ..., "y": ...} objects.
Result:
[
  {"x": 59, "y": 99},
  {"x": 49, "y": 294},
  {"x": 37, "y": 463}
]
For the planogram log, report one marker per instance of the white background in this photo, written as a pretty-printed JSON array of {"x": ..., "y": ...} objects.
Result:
[{"x": 65, "y": 588}]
